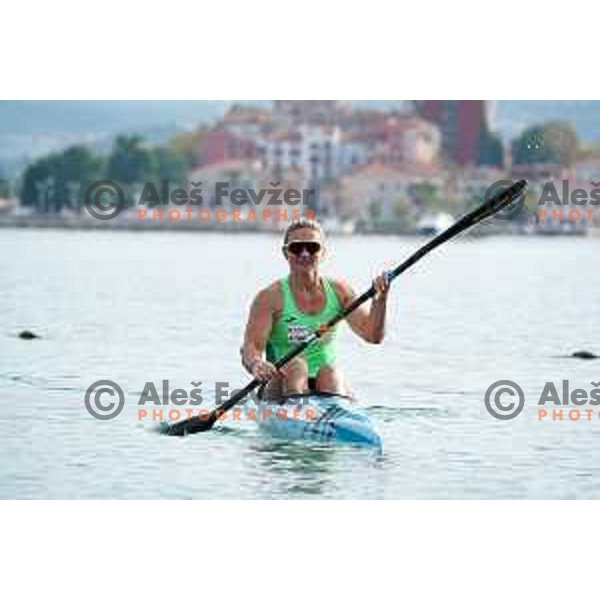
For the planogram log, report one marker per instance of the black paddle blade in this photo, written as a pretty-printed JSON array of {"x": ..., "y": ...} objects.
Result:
[
  {"x": 193, "y": 425},
  {"x": 499, "y": 201}
]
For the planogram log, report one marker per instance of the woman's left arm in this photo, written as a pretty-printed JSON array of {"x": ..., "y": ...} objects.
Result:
[
  {"x": 368, "y": 324},
  {"x": 378, "y": 308}
]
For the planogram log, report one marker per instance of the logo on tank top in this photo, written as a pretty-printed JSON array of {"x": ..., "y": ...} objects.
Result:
[{"x": 297, "y": 333}]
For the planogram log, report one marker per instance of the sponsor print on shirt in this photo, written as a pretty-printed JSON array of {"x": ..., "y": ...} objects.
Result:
[{"x": 297, "y": 333}]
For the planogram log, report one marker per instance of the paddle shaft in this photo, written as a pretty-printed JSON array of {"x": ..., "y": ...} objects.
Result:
[{"x": 482, "y": 212}]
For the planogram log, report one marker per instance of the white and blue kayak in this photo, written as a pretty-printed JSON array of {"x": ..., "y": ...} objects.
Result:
[{"x": 318, "y": 417}]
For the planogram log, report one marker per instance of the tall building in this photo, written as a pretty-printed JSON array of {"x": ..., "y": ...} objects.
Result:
[
  {"x": 314, "y": 150},
  {"x": 461, "y": 123}
]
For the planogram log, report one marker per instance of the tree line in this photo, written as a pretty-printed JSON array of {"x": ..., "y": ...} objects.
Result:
[{"x": 60, "y": 180}]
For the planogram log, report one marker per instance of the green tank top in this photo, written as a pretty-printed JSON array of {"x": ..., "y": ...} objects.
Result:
[{"x": 293, "y": 326}]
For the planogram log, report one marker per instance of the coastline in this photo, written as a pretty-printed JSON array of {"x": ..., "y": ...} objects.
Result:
[{"x": 120, "y": 223}]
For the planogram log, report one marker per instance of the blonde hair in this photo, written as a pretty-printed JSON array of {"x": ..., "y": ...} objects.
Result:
[{"x": 303, "y": 224}]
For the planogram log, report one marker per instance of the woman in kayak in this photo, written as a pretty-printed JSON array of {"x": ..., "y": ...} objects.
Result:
[{"x": 287, "y": 311}]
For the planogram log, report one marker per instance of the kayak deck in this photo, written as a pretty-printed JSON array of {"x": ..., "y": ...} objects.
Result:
[{"x": 319, "y": 417}]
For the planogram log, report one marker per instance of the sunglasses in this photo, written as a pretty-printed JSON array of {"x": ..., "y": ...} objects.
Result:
[{"x": 298, "y": 247}]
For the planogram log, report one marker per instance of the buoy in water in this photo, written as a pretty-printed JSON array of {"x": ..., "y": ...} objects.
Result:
[
  {"x": 584, "y": 354},
  {"x": 28, "y": 335}
]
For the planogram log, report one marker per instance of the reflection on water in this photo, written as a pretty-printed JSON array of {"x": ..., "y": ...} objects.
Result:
[
  {"x": 143, "y": 307},
  {"x": 390, "y": 413},
  {"x": 306, "y": 469},
  {"x": 302, "y": 469}
]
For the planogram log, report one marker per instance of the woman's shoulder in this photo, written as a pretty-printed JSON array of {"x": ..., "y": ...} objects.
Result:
[
  {"x": 342, "y": 289},
  {"x": 271, "y": 295}
]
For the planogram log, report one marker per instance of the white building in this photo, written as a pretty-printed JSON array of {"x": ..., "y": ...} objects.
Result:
[
  {"x": 352, "y": 153},
  {"x": 315, "y": 150}
]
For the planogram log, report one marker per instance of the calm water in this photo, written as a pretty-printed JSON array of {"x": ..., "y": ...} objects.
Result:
[{"x": 137, "y": 307}]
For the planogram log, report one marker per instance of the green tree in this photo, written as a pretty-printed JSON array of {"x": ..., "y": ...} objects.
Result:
[
  {"x": 171, "y": 165},
  {"x": 402, "y": 210},
  {"x": 129, "y": 161},
  {"x": 5, "y": 187},
  {"x": 60, "y": 180},
  {"x": 37, "y": 179},
  {"x": 550, "y": 143},
  {"x": 375, "y": 210},
  {"x": 130, "y": 164},
  {"x": 425, "y": 195},
  {"x": 491, "y": 151},
  {"x": 75, "y": 171}
]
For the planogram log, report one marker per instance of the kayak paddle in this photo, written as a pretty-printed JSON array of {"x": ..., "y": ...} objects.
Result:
[{"x": 494, "y": 205}]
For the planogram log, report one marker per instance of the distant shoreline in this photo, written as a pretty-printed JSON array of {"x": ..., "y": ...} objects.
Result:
[
  {"x": 90, "y": 224},
  {"x": 124, "y": 225}
]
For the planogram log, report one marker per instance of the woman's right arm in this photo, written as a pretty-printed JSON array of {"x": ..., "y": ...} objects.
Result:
[{"x": 258, "y": 328}]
